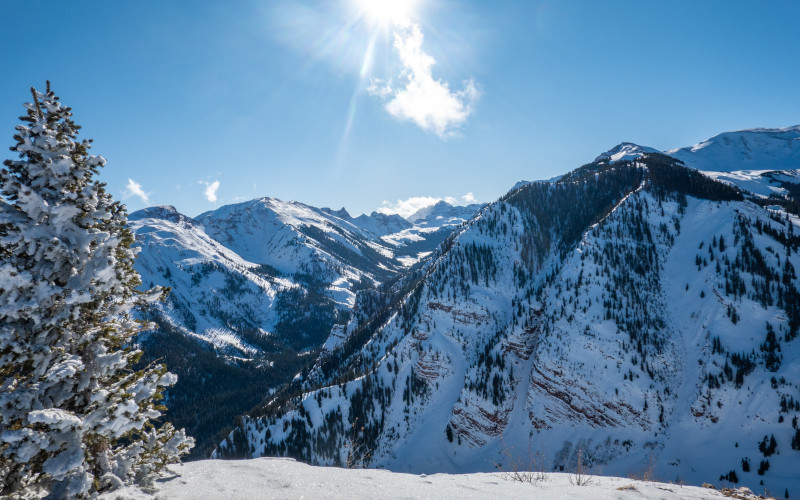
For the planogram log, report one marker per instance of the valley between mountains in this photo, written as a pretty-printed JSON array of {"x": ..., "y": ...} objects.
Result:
[{"x": 638, "y": 315}]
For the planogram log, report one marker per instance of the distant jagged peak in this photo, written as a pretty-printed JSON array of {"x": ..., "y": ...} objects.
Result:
[
  {"x": 625, "y": 151},
  {"x": 381, "y": 224},
  {"x": 383, "y": 216},
  {"x": 342, "y": 213}
]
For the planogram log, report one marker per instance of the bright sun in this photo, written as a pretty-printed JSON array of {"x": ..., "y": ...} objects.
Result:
[{"x": 387, "y": 12}]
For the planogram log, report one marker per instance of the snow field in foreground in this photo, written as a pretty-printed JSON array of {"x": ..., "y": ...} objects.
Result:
[{"x": 279, "y": 478}]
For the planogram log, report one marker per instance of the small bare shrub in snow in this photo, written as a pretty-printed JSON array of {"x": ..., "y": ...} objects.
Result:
[
  {"x": 579, "y": 477},
  {"x": 358, "y": 455},
  {"x": 648, "y": 473},
  {"x": 529, "y": 469}
]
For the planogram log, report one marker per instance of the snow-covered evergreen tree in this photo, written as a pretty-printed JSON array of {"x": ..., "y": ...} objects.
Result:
[{"x": 75, "y": 416}]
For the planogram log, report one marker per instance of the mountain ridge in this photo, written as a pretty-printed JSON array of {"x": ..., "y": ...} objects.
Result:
[
  {"x": 256, "y": 289},
  {"x": 502, "y": 338}
]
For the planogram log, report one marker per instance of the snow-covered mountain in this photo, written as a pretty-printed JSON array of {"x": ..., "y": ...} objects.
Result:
[
  {"x": 763, "y": 161},
  {"x": 257, "y": 286},
  {"x": 383, "y": 224},
  {"x": 758, "y": 149},
  {"x": 230, "y": 267},
  {"x": 177, "y": 252},
  {"x": 294, "y": 238},
  {"x": 625, "y": 151},
  {"x": 753, "y": 149},
  {"x": 634, "y": 315}
]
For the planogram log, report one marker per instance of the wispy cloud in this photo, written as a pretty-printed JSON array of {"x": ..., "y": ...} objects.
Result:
[
  {"x": 379, "y": 88},
  {"x": 422, "y": 99},
  {"x": 135, "y": 189},
  {"x": 211, "y": 191}
]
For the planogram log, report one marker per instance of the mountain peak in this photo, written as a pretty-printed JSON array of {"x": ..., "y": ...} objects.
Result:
[
  {"x": 165, "y": 212},
  {"x": 625, "y": 151},
  {"x": 342, "y": 213},
  {"x": 749, "y": 149}
]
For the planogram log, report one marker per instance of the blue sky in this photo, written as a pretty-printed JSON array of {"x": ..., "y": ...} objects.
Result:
[{"x": 204, "y": 103}]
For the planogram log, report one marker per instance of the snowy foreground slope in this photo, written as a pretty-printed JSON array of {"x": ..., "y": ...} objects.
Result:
[
  {"x": 286, "y": 479},
  {"x": 635, "y": 314}
]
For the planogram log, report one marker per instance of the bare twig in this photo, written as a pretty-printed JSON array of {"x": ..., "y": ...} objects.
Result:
[
  {"x": 580, "y": 478},
  {"x": 358, "y": 455},
  {"x": 524, "y": 470}
]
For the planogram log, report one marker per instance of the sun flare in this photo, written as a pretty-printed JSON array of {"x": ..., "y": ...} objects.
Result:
[{"x": 387, "y": 12}]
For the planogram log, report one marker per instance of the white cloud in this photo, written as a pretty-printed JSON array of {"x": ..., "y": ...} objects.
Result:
[
  {"x": 211, "y": 191},
  {"x": 406, "y": 208},
  {"x": 422, "y": 99},
  {"x": 135, "y": 189},
  {"x": 410, "y": 206}
]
